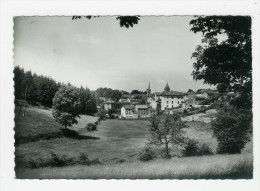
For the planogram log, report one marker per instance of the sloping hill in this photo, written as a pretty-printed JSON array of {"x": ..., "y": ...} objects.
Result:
[{"x": 39, "y": 124}]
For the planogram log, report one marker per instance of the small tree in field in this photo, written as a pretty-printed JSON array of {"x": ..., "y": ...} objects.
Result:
[
  {"x": 232, "y": 128},
  {"x": 66, "y": 106},
  {"x": 165, "y": 130}
]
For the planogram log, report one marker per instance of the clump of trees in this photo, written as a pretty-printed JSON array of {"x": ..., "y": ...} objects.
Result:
[
  {"x": 138, "y": 92},
  {"x": 88, "y": 100},
  {"x": 166, "y": 130},
  {"x": 33, "y": 87},
  {"x": 114, "y": 95},
  {"x": 39, "y": 89}
]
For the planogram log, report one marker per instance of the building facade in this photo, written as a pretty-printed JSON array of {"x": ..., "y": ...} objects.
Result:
[
  {"x": 128, "y": 112},
  {"x": 109, "y": 104},
  {"x": 168, "y": 99},
  {"x": 142, "y": 111}
]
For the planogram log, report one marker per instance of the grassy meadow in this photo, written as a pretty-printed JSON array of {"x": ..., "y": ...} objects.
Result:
[{"x": 117, "y": 144}]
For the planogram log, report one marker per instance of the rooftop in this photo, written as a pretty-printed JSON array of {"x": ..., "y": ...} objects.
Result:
[
  {"x": 129, "y": 107},
  {"x": 141, "y": 106}
]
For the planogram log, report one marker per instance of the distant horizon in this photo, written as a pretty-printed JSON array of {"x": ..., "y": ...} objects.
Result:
[
  {"x": 99, "y": 53},
  {"x": 110, "y": 87}
]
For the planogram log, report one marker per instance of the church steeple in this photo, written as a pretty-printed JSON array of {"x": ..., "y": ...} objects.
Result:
[
  {"x": 167, "y": 88},
  {"x": 149, "y": 90}
]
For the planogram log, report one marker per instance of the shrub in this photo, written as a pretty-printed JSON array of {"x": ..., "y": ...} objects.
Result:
[
  {"x": 37, "y": 163},
  {"x": 204, "y": 149},
  {"x": 190, "y": 148},
  {"x": 94, "y": 162},
  {"x": 83, "y": 159},
  {"x": 146, "y": 154},
  {"x": 92, "y": 126},
  {"x": 62, "y": 160},
  {"x": 101, "y": 114},
  {"x": 232, "y": 129},
  {"x": 194, "y": 148}
]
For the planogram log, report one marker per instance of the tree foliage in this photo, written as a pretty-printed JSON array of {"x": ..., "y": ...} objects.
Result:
[
  {"x": 41, "y": 89},
  {"x": 227, "y": 63},
  {"x": 88, "y": 104},
  {"x": 165, "y": 130},
  {"x": 115, "y": 95},
  {"x": 33, "y": 87},
  {"x": 124, "y": 21},
  {"x": 66, "y": 106},
  {"x": 232, "y": 129}
]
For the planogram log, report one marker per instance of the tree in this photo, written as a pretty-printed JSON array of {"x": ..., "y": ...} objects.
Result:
[
  {"x": 232, "y": 129},
  {"x": 18, "y": 82},
  {"x": 227, "y": 63},
  {"x": 165, "y": 130},
  {"x": 66, "y": 106},
  {"x": 91, "y": 107}
]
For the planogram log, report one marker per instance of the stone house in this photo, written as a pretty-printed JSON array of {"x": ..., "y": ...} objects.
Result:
[
  {"x": 128, "y": 112},
  {"x": 142, "y": 111}
]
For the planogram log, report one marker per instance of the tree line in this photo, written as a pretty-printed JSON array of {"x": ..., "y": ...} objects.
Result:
[{"x": 39, "y": 89}]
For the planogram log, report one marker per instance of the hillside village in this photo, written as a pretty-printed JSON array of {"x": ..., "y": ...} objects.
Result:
[
  {"x": 79, "y": 127},
  {"x": 133, "y": 106}
]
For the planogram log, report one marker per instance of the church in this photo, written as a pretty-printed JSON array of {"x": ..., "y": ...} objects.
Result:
[{"x": 167, "y": 99}]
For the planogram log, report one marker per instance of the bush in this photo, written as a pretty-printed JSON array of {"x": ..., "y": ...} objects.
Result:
[
  {"x": 92, "y": 126},
  {"x": 62, "y": 160},
  {"x": 101, "y": 114},
  {"x": 194, "y": 148},
  {"x": 146, "y": 154},
  {"x": 232, "y": 129},
  {"x": 83, "y": 159},
  {"x": 204, "y": 149},
  {"x": 190, "y": 148}
]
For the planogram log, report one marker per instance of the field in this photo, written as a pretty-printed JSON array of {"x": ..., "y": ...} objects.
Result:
[{"x": 116, "y": 144}]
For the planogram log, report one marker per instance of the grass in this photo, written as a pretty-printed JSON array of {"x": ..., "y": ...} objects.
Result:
[
  {"x": 206, "y": 167},
  {"x": 38, "y": 124},
  {"x": 38, "y": 135}
]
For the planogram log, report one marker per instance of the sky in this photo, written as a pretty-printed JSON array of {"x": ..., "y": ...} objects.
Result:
[{"x": 99, "y": 53}]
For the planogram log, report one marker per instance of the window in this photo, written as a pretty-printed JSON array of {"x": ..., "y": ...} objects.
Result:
[
  {"x": 167, "y": 103},
  {"x": 172, "y": 102},
  {"x": 167, "y": 106},
  {"x": 172, "y": 106}
]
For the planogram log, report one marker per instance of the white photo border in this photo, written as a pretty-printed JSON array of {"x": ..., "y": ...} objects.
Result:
[{"x": 10, "y": 9}]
